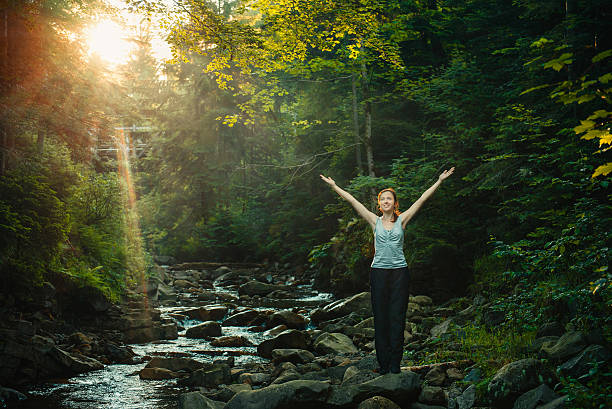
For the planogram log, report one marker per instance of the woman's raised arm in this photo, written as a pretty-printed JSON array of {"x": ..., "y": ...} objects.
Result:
[
  {"x": 409, "y": 214},
  {"x": 367, "y": 215}
]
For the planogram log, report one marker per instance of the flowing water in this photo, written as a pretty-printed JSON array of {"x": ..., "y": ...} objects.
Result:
[{"x": 120, "y": 387}]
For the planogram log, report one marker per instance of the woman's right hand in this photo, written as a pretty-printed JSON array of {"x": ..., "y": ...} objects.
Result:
[{"x": 329, "y": 181}]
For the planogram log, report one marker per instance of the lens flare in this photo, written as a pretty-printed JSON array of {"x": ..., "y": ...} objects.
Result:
[{"x": 136, "y": 259}]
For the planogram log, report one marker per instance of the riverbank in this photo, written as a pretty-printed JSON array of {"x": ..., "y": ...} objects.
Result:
[{"x": 232, "y": 336}]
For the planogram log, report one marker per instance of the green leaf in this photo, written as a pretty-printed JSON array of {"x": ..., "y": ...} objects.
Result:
[
  {"x": 535, "y": 88},
  {"x": 602, "y": 55},
  {"x": 604, "y": 79}
]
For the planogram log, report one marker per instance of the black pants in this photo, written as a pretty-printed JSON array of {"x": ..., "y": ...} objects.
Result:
[{"x": 389, "y": 301}]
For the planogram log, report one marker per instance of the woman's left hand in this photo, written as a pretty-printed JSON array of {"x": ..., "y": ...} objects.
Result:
[{"x": 446, "y": 174}]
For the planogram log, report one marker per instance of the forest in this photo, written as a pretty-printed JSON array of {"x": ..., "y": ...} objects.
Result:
[{"x": 214, "y": 153}]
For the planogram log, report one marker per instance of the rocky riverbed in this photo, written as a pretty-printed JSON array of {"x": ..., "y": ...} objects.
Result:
[{"x": 202, "y": 335}]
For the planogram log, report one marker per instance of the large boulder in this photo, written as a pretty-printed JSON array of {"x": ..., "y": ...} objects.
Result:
[
  {"x": 156, "y": 374},
  {"x": 378, "y": 402},
  {"x": 512, "y": 380},
  {"x": 204, "y": 330},
  {"x": 583, "y": 362},
  {"x": 245, "y": 318},
  {"x": 254, "y": 287},
  {"x": 568, "y": 345},
  {"x": 195, "y": 400},
  {"x": 288, "y": 318},
  {"x": 231, "y": 341},
  {"x": 209, "y": 313},
  {"x": 298, "y": 393},
  {"x": 360, "y": 304},
  {"x": 535, "y": 397},
  {"x": 210, "y": 376},
  {"x": 334, "y": 343},
  {"x": 401, "y": 388},
  {"x": 290, "y": 338},
  {"x": 175, "y": 364},
  {"x": 296, "y": 356},
  {"x": 74, "y": 363}
]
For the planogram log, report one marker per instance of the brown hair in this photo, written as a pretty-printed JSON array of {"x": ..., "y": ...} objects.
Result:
[{"x": 396, "y": 211}]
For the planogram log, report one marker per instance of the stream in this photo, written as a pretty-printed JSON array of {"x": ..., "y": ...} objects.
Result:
[{"x": 118, "y": 386}]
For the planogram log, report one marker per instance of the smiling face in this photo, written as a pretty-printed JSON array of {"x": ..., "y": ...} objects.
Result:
[{"x": 386, "y": 201}]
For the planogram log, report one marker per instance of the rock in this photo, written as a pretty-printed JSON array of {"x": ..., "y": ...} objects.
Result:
[
  {"x": 87, "y": 299},
  {"x": 296, "y": 356},
  {"x": 166, "y": 293},
  {"x": 210, "y": 376},
  {"x": 441, "y": 329},
  {"x": 474, "y": 375},
  {"x": 350, "y": 371},
  {"x": 512, "y": 380},
  {"x": 432, "y": 394},
  {"x": 421, "y": 300},
  {"x": 286, "y": 376},
  {"x": 533, "y": 398},
  {"x": 400, "y": 388},
  {"x": 367, "y": 323},
  {"x": 359, "y": 304},
  {"x": 10, "y": 396},
  {"x": 254, "y": 378},
  {"x": 119, "y": 354},
  {"x": 176, "y": 364},
  {"x": 467, "y": 398},
  {"x": 289, "y": 339},
  {"x": 183, "y": 284},
  {"x": 354, "y": 376},
  {"x": 569, "y": 344},
  {"x": 254, "y": 287},
  {"x": 220, "y": 271},
  {"x": 287, "y": 318},
  {"x": 419, "y": 405},
  {"x": 245, "y": 319},
  {"x": 368, "y": 363},
  {"x": 378, "y": 402},
  {"x": 156, "y": 373},
  {"x": 558, "y": 403},
  {"x": 334, "y": 343},
  {"x": 298, "y": 393},
  {"x": 195, "y": 400},
  {"x": 550, "y": 329},
  {"x": 231, "y": 341},
  {"x": 209, "y": 313},
  {"x": 454, "y": 374},
  {"x": 583, "y": 362},
  {"x": 275, "y": 331},
  {"x": 436, "y": 376},
  {"x": 538, "y": 343},
  {"x": 228, "y": 391},
  {"x": 73, "y": 363},
  {"x": 204, "y": 330}
]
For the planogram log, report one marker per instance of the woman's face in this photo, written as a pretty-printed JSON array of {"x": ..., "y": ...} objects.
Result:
[{"x": 387, "y": 201}]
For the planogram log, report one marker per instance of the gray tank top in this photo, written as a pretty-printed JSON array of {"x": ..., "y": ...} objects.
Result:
[{"x": 389, "y": 245}]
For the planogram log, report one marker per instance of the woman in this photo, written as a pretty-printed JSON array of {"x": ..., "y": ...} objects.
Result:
[{"x": 389, "y": 272}]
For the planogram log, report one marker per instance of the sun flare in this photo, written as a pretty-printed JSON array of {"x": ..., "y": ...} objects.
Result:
[{"x": 109, "y": 41}]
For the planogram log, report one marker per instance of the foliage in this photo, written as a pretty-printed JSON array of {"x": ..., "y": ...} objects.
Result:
[{"x": 592, "y": 390}]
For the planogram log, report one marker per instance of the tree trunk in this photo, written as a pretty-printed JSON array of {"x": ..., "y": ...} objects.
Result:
[
  {"x": 367, "y": 135},
  {"x": 356, "y": 126},
  {"x": 367, "y": 110}
]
